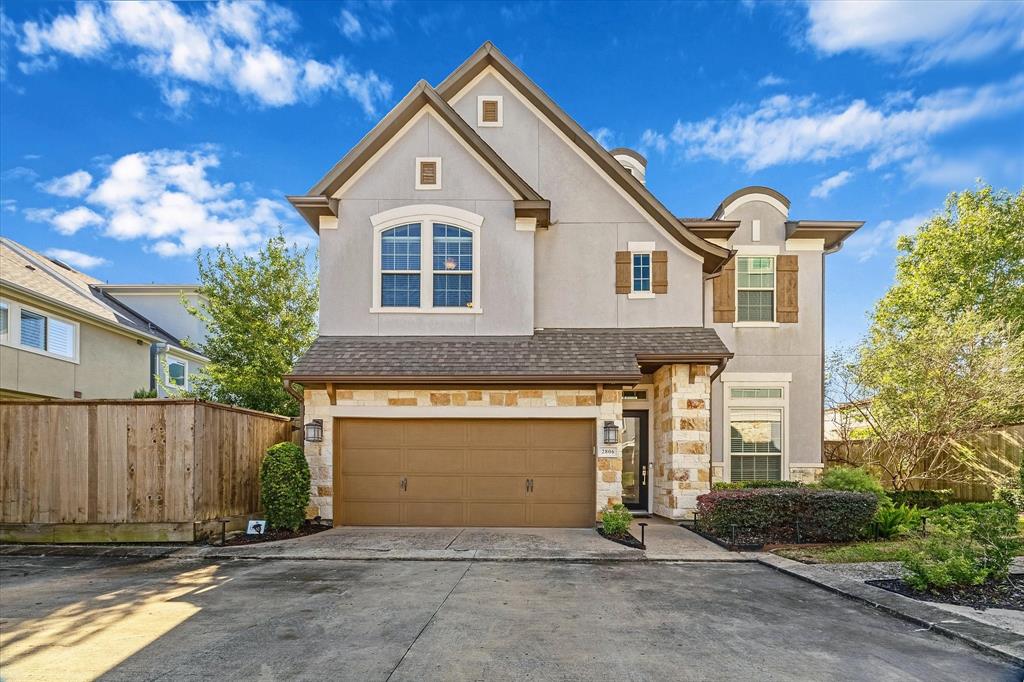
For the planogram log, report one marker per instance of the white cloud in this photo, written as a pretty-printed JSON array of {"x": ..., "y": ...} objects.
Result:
[
  {"x": 784, "y": 129},
  {"x": 239, "y": 46},
  {"x": 71, "y": 185},
  {"x": 350, "y": 25},
  {"x": 920, "y": 32},
  {"x": 865, "y": 244},
  {"x": 361, "y": 20},
  {"x": 771, "y": 80},
  {"x": 604, "y": 136},
  {"x": 82, "y": 261},
  {"x": 826, "y": 186},
  {"x": 959, "y": 172},
  {"x": 65, "y": 222},
  {"x": 170, "y": 199},
  {"x": 10, "y": 205},
  {"x": 653, "y": 140}
]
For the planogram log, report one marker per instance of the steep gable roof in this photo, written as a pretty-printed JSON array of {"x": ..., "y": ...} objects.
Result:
[
  {"x": 488, "y": 55},
  {"x": 319, "y": 200}
]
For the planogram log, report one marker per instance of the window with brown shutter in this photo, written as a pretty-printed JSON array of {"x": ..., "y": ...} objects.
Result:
[
  {"x": 428, "y": 173},
  {"x": 659, "y": 272},
  {"x": 787, "y": 273},
  {"x": 724, "y": 290},
  {"x": 623, "y": 265}
]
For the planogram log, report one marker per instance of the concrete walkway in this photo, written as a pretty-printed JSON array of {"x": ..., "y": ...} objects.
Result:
[{"x": 665, "y": 542}]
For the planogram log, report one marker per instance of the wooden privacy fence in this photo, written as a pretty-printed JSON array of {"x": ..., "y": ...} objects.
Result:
[
  {"x": 129, "y": 470},
  {"x": 999, "y": 451}
]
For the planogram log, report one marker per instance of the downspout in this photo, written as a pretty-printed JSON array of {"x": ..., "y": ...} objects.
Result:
[{"x": 711, "y": 412}]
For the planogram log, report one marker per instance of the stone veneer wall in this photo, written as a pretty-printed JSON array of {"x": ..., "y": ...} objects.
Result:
[
  {"x": 320, "y": 455},
  {"x": 682, "y": 438}
]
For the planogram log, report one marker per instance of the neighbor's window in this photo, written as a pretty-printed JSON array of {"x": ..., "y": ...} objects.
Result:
[
  {"x": 453, "y": 267},
  {"x": 755, "y": 289},
  {"x": 755, "y": 444},
  {"x": 4, "y": 319},
  {"x": 400, "y": 267},
  {"x": 641, "y": 272},
  {"x": 176, "y": 371},
  {"x": 48, "y": 334}
]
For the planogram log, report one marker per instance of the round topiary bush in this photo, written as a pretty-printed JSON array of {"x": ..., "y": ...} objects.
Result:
[{"x": 284, "y": 486}]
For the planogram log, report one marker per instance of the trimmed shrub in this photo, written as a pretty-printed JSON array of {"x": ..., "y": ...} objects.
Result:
[
  {"x": 783, "y": 515},
  {"x": 744, "y": 485},
  {"x": 284, "y": 486},
  {"x": 856, "y": 480},
  {"x": 616, "y": 520},
  {"x": 925, "y": 499},
  {"x": 891, "y": 521},
  {"x": 969, "y": 544}
]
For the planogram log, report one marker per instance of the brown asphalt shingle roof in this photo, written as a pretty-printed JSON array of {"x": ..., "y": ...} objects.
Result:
[{"x": 590, "y": 353}]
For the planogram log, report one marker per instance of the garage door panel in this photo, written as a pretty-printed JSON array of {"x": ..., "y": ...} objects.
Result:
[
  {"x": 497, "y": 514},
  {"x": 561, "y": 489},
  {"x": 446, "y": 460},
  {"x": 370, "y": 433},
  {"x": 498, "y": 462},
  {"x": 496, "y": 487},
  {"x": 560, "y": 462},
  {"x": 561, "y": 515},
  {"x": 434, "y": 513},
  {"x": 555, "y": 434},
  {"x": 370, "y": 487},
  {"x": 505, "y": 433},
  {"x": 371, "y": 513},
  {"x": 372, "y": 460},
  {"x": 435, "y": 433},
  {"x": 423, "y": 487}
]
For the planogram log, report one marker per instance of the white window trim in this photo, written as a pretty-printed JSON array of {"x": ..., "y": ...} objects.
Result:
[
  {"x": 419, "y": 161},
  {"x": 480, "y": 111},
  {"x": 182, "y": 361},
  {"x": 13, "y": 336},
  {"x": 754, "y": 380},
  {"x": 640, "y": 249},
  {"x": 768, "y": 324},
  {"x": 426, "y": 215},
  {"x": 4, "y": 335}
]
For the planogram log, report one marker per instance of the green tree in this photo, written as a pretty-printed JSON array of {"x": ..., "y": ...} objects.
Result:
[
  {"x": 260, "y": 313},
  {"x": 969, "y": 259}
]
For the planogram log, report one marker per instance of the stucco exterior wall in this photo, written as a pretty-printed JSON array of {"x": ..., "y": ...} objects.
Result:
[
  {"x": 795, "y": 349},
  {"x": 166, "y": 310},
  {"x": 346, "y": 254}
]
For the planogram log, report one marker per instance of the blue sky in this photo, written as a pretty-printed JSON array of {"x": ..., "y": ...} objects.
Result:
[{"x": 133, "y": 134}]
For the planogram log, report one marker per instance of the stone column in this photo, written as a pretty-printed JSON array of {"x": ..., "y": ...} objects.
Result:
[
  {"x": 682, "y": 438},
  {"x": 320, "y": 457},
  {"x": 609, "y": 468}
]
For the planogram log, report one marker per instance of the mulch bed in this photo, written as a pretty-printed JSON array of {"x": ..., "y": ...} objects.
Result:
[
  {"x": 626, "y": 539},
  {"x": 1005, "y": 595},
  {"x": 273, "y": 535}
]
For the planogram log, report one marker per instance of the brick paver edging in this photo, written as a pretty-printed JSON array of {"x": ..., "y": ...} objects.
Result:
[{"x": 988, "y": 638}]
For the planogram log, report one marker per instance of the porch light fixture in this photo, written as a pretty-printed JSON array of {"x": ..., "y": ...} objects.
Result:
[
  {"x": 611, "y": 433},
  {"x": 314, "y": 431}
]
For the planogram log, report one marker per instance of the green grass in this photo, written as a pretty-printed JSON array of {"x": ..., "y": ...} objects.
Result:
[{"x": 852, "y": 553}]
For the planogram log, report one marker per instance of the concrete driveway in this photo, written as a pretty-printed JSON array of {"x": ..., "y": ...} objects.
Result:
[{"x": 67, "y": 618}]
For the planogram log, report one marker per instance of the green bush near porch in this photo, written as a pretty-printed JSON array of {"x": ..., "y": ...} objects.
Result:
[
  {"x": 760, "y": 483},
  {"x": 284, "y": 486},
  {"x": 785, "y": 515}
]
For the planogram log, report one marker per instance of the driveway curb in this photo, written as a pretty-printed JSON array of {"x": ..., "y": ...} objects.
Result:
[
  {"x": 988, "y": 638},
  {"x": 253, "y": 554}
]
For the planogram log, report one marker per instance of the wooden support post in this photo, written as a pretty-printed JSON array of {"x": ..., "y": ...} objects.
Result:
[
  {"x": 330, "y": 393},
  {"x": 600, "y": 393}
]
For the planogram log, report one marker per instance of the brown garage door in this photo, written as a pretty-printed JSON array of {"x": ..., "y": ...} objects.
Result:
[{"x": 464, "y": 472}]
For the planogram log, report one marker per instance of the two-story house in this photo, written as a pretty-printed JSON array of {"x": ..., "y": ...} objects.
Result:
[
  {"x": 64, "y": 334},
  {"x": 514, "y": 331}
]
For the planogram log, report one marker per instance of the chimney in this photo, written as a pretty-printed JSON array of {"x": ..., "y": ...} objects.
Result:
[{"x": 632, "y": 161}]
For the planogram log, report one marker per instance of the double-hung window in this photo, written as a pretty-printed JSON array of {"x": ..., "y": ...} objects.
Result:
[
  {"x": 641, "y": 272},
  {"x": 400, "y": 267},
  {"x": 755, "y": 289},
  {"x": 47, "y": 334},
  {"x": 755, "y": 444},
  {"x": 177, "y": 372},
  {"x": 453, "y": 267}
]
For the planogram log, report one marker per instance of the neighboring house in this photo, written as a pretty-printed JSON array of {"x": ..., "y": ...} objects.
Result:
[
  {"x": 64, "y": 334},
  {"x": 514, "y": 331},
  {"x": 846, "y": 422}
]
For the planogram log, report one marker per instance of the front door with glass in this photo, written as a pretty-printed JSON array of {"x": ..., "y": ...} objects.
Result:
[{"x": 635, "y": 472}]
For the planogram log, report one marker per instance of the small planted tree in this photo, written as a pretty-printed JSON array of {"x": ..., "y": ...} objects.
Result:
[{"x": 284, "y": 486}]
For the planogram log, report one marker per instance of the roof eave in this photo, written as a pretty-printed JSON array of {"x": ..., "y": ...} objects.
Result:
[
  {"x": 833, "y": 232},
  {"x": 312, "y": 208},
  {"x": 631, "y": 378}
]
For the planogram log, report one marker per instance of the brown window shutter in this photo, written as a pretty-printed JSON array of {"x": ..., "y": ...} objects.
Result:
[
  {"x": 623, "y": 265},
  {"x": 490, "y": 111},
  {"x": 428, "y": 172},
  {"x": 659, "y": 272},
  {"x": 786, "y": 269},
  {"x": 724, "y": 289}
]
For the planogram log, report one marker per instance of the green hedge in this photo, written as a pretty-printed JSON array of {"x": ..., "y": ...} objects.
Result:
[
  {"x": 782, "y": 515},
  {"x": 925, "y": 499},
  {"x": 760, "y": 483},
  {"x": 284, "y": 486}
]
